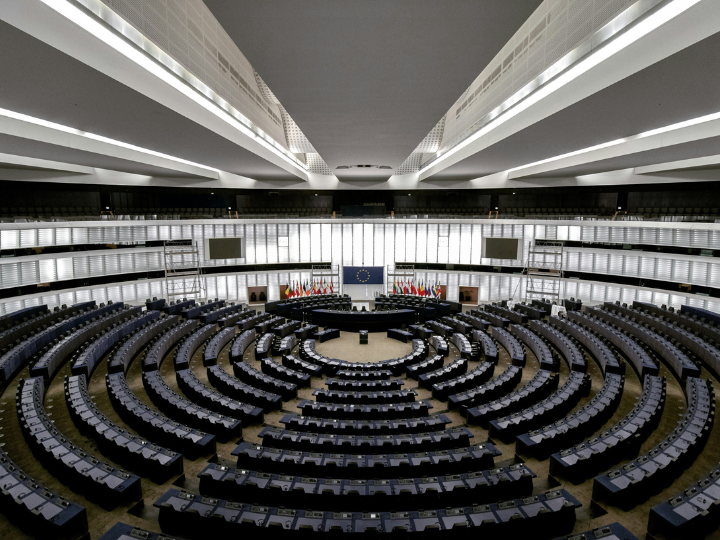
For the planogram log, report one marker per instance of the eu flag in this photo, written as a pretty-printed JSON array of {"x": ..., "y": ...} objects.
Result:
[{"x": 363, "y": 275}]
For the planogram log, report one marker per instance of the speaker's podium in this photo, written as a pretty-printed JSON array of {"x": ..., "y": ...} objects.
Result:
[{"x": 363, "y": 337}]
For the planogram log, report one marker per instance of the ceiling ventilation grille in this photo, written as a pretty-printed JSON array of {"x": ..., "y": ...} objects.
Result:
[
  {"x": 429, "y": 145},
  {"x": 554, "y": 29}
]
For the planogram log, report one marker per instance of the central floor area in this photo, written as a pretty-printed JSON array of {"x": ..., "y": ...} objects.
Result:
[{"x": 379, "y": 347}]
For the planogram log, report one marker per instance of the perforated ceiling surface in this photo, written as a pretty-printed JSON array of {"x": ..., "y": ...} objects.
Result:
[{"x": 367, "y": 81}]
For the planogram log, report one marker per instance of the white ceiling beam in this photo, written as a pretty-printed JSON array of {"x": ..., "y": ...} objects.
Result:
[
  {"x": 707, "y": 161},
  {"x": 35, "y": 129},
  {"x": 624, "y": 55},
  {"x": 69, "y": 30},
  {"x": 665, "y": 137},
  {"x": 45, "y": 164}
]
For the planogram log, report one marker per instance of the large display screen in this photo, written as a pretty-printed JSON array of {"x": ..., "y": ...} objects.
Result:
[
  {"x": 501, "y": 248},
  {"x": 226, "y": 248}
]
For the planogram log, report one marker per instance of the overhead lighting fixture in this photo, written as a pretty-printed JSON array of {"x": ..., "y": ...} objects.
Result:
[
  {"x": 643, "y": 28},
  {"x": 609, "y": 144},
  {"x": 93, "y": 136},
  {"x": 203, "y": 98}
]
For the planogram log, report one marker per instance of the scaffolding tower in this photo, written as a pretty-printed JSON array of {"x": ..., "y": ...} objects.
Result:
[
  {"x": 544, "y": 272},
  {"x": 399, "y": 272},
  {"x": 326, "y": 273},
  {"x": 183, "y": 274}
]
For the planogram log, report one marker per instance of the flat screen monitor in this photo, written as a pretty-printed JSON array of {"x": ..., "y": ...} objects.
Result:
[
  {"x": 226, "y": 248},
  {"x": 501, "y": 248}
]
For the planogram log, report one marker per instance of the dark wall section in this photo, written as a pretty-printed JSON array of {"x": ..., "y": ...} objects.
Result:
[
  {"x": 697, "y": 198},
  {"x": 20, "y": 198},
  {"x": 568, "y": 199}
]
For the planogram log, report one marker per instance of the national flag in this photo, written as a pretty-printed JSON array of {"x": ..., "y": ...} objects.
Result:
[
  {"x": 308, "y": 289},
  {"x": 394, "y": 286},
  {"x": 331, "y": 286},
  {"x": 325, "y": 287},
  {"x": 288, "y": 293},
  {"x": 405, "y": 288},
  {"x": 413, "y": 290}
]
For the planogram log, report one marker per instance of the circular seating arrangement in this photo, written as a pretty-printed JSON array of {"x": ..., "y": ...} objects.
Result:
[{"x": 501, "y": 422}]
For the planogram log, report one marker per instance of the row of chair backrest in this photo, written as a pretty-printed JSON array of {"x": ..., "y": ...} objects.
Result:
[
  {"x": 135, "y": 453},
  {"x": 487, "y": 344},
  {"x": 216, "y": 314},
  {"x": 454, "y": 369},
  {"x": 215, "y": 345},
  {"x": 56, "y": 353},
  {"x": 343, "y": 411},
  {"x": 276, "y": 437},
  {"x": 623, "y": 439},
  {"x": 120, "y": 360},
  {"x": 94, "y": 352},
  {"x": 415, "y": 371},
  {"x": 486, "y": 392},
  {"x": 194, "y": 311},
  {"x": 360, "y": 495},
  {"x": 511, "y": 345},
  {"x": 365, "y": 427},
  {"x": 12, "y": 319},
  {"x": 513, "y": 316},
  {"x": 187, "y": 412},
  {"x": 98, "y": 480},
  {"x": 38, "y": 322},
  {"x": 537, "y": 345},
  {"x": 637, "y": 480},
  {"x": 702, "y": 349},
  {"x": 607, "y": 360},
  {"x": 155, "y": 355},
  {"x": 542, "y": 413},
  {"x": 638, "y": 357},
  {"x": 439, "y": 328},
  {"x": 250, "y": 322},
  {"x": 543, "y": 441},
  {"x": 240, "y": 344},
  {"x": 193, "y": 342},
  {"x": 271, "y": 367},
  {"x": 570, "y": 352},
  {"x": 539, "y": 387},
  {"x": 162, "y": 430},
  {"x": 359, "y": 397},
  {"x": 220, "y": 402},
  {"x": 676, "y": 359},
  {"x": 233, "y": 388},
  {"x": 475, "y": 377},
  {"x": 17, "y": 357},
  {"x": 474, "y": 457},
  {"x": 249, "y": 375},
  {"x": 541, "y": 516}
]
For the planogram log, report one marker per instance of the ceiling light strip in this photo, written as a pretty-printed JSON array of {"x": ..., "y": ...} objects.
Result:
[
  {"x": 129, "y": 42},
  {"x": 645, "y": 135},
  {"x": 535, "y": 92},
  {"x": 5, "y": 113}
]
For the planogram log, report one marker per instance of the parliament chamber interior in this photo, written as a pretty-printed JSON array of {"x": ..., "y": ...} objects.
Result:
[{"x": 394, "y": 267}]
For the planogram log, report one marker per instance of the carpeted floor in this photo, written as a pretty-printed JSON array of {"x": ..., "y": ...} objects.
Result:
[{"x": 379, "y": 347}]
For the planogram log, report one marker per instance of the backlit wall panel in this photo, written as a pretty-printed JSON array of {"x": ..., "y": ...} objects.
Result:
[{"x": 358, "y": 242}]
